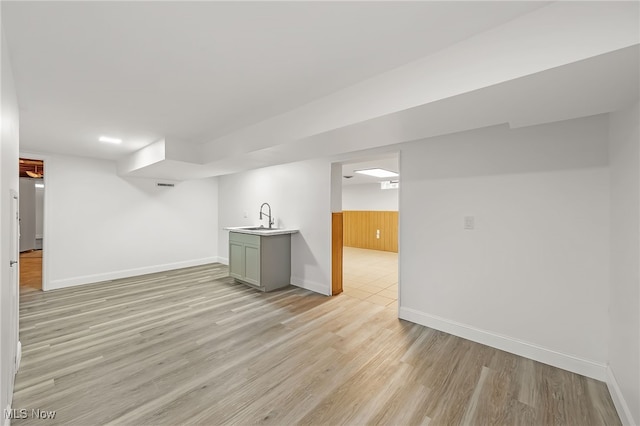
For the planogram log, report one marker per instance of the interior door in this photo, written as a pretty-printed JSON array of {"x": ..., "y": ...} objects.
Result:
[
  {"x": 27, "y": 207},
  {"x": 14, "y": 257}
]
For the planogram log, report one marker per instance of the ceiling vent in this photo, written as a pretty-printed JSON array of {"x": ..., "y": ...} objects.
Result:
[{"x": 165, "y": 185}]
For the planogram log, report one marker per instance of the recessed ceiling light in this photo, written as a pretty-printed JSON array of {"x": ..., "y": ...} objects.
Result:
[
  {"x": 379, "y": 173},
  {"x": 107, "y": 139}
]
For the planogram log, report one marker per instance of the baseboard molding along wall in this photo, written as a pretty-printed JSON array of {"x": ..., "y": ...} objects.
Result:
[
  {"x": 618, "y": 399},
  {"x": 311, "y": 286},
  {"x": 18, "y": 355},
  {"x": 126, "y": 273},
  {"x": 528, "y": 350}
]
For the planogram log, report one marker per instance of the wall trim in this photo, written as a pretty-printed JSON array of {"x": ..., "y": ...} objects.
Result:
[
  {"x": 567, "y": 362},
  {"x": 126, "y": 273},
  {"x": 223, "y": 260},
  {"x": 18, "y": 356},
  {"x": 311, "y": 286},
  {"x": 618, "y": 399}
]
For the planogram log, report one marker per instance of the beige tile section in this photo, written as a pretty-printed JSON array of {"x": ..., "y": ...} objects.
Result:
[
  {"x": 379, "y": 300},
  {"x": 389, "y": 293},
  {"x": 357, "y": 293},
  {"x": 371, "y": 272}
]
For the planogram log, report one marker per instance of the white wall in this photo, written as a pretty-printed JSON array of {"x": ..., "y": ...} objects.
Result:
[
  {"x": 624, "y": 330},
  {"x": 369, "y": 196},
  {"x": 532, "y": 277},
  {"x": 8, "y": 183},
  {"x": 300, "y": 198},
  {"x": 99, "y": 226}
]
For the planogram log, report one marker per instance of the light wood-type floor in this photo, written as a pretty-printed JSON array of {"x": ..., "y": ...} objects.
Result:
[
  {"x": 191, "y": 346},
  {"x": 371, "y": 275},
  {"x": 31, "y": 269}
]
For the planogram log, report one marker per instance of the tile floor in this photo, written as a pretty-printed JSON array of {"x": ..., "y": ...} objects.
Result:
[{"x": 371, "y": 275}]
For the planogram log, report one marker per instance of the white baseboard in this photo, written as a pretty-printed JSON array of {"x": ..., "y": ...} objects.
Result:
[
  {"x": 618, "y": 399},
  {"x": 223, "y": 260},
  {"x": 125, "y": 273},
  {"x": 18, "y": 355},
  {"x": 312, "y": 286},
  {"x": 571, "y": 363}
]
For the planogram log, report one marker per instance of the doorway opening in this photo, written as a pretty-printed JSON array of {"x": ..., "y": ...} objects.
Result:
[
  {"x": 370, "y": 206},
  {"x": 31, "y": 220}
]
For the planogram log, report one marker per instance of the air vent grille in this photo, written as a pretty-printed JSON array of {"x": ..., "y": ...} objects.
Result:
[{"x": 163, "y": 184}]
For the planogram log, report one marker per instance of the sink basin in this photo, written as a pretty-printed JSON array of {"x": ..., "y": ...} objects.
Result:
[{"x": 261, "y": 228}]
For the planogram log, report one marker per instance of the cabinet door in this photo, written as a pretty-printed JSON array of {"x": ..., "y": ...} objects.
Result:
[
  {"x": 236, "y": 261},
  {"x": 252, "y": 264}
]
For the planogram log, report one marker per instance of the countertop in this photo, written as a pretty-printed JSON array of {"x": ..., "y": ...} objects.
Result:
[{"x": 261, "y": 231}]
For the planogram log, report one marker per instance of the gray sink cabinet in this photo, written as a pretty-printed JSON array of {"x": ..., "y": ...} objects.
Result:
[{"x": 261, "y": 261}]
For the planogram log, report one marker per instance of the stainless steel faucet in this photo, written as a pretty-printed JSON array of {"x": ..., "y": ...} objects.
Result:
[{"x": 268, "y": 215}]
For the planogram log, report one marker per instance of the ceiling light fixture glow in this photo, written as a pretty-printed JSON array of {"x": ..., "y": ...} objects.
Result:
[
  {"x": 108, "y": 139},
  {"x": 379, "y": 173}
]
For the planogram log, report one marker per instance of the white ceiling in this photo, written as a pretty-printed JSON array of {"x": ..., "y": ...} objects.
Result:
[
  {"x": 194, "y": 71},
  {"x": 387, "y": 162},
  {"x": 209, "y": 88}
]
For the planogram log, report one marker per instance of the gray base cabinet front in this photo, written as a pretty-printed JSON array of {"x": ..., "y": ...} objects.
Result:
[{"x": 264, "y": 262}]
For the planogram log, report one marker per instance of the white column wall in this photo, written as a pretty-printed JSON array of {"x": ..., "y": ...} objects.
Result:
[
  {"x": 624, "y": 310},
  {"x": 532, "y": 277}
]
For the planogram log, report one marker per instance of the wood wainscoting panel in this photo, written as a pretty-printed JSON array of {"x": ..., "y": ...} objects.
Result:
[
  {"x": 361, "y": 226},
  {"x": 336, "y": 252}
]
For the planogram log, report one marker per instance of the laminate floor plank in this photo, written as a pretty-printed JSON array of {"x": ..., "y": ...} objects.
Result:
[{"x": 192, "y": 346}]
